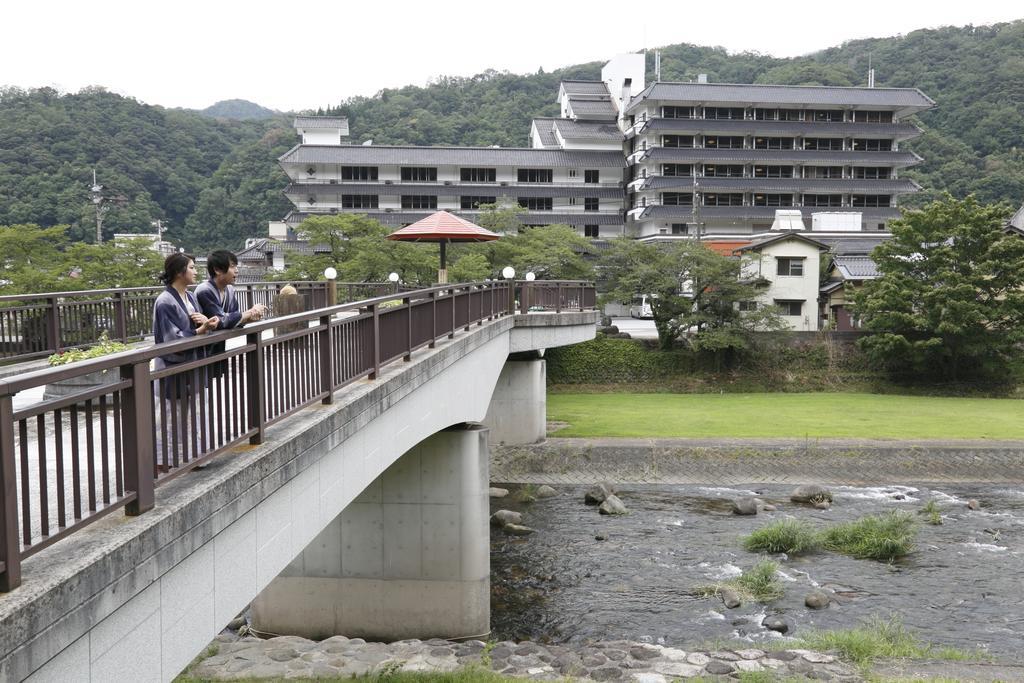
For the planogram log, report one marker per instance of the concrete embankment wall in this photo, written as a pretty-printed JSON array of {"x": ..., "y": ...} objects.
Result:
[{"x": 735, "y": 461}]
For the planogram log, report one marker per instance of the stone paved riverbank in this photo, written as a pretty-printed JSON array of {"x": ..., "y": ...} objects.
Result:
[{"x": 294, "y": 657}]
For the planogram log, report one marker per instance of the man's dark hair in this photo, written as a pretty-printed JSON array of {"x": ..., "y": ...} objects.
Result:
[{"x": 219, "y": 261}]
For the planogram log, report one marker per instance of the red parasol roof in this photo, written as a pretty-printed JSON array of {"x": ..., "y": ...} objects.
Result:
[{"x": 443, "y": 226}]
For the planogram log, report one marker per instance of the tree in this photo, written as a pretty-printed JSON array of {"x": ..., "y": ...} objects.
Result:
[
  {"x": 32, "y": 259},
  {"x": 551, "y": 252},
  {"x": 949, "y": 304},
  {"x": 695, "y": 293}
]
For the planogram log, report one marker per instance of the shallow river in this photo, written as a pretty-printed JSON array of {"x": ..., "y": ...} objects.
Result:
[{"x": 962, "y": 586}]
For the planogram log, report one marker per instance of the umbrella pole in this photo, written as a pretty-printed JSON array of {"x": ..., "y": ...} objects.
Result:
[{"x": 442, "y": 272}]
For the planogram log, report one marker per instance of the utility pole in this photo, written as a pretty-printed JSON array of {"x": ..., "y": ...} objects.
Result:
[
  {"x": 695, "y": 206},
  {"x": 98, "y": 203}
]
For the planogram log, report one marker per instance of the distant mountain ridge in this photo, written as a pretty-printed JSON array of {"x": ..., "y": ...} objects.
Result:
[{"x": 238, "y": 110}]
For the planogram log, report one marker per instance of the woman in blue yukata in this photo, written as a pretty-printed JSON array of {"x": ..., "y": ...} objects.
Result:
[{"x": 176, "y": 315}]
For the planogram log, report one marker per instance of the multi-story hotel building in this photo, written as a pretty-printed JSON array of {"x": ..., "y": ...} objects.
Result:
[
  {"x": 652, "y": 162},
  {"x": 726, "y": 157}
]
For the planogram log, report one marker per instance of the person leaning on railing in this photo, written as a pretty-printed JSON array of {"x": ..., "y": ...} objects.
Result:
[{"x": 217, "y": 299}]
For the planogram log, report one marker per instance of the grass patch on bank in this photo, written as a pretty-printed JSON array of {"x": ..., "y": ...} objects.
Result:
[
  {"x": 884, "y": 537},
  {"x": 790, "y": 536},
  {"x": 880, "y": 639},
  {"x": 390, "y": 674},
  {"x": 817, "y": 415}
]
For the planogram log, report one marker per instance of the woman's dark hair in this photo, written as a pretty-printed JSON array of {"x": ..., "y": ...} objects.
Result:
[{"x": 174, "y": 265}]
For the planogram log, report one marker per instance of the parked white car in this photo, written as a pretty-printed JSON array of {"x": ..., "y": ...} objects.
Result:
[{"x": 641, "y": 307}]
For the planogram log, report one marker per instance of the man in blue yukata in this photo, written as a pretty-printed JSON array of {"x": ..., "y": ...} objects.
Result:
[{"x": 217, "y": 296}]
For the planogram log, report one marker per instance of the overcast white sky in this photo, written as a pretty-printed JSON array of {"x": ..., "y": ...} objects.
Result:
[{"x": 296, "y": 55}]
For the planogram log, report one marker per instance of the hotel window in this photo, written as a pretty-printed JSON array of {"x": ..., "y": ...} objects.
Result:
[
  {"x": 359, "y": 201},
  {"x": 872, "y": 172},
  {"x": 830, "y": 144},
  {"x": 535, "y": 175},
  {"x": 358, "y": 172},
  {"x": 773, "y": 171},
  {"x": 475, "y": 202},
  {"x": 823, "y": 200},
  {"x": 773, "y": 200},
  {"x": 872, "y": 116},
  {"x": 766, "y": 114},
  {"x": 591, "y": 231},
  {"x": 677, "y": 112},
  {"x": 592, "y": 176},
  {"x": 720, "y": 113},
  {"x": 787, "y": 265},
  {"x": 723, "y": 170},
  {"x": 680, "y": 229},
  {"x": 790, "y": 308},
  {"x": 862, "y": 145},
  {"x": 677, "y": 198},
  {"x": 723, "y": 199},
  {"x": 591, "y": 204},
  {"x": 747, "y": 306},
  {"x": 572, "y": 172},
  {"x": 870, "y": 200},
  {"x": 677, "y": 141},
  {"x": 773, "y": 143},
  {"x": 824, "y": 115},
  {"x": 823, "y": 171},
  {"x": 536, "y": 203},
  {"x": 677, "y": 170},
  {"x": 723, "y": 141},
  {"x": 790, "y": 115},
  {"x": 418, "y": 201},
  {"x": 478, "y": 175},
  {"x": 419, "y": 174}
]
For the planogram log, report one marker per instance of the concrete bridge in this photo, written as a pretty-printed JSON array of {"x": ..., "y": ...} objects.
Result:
[{"x": 366, "y": 516}]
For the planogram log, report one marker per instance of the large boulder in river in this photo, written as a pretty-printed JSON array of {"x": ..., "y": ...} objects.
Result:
[
  {"x": 744, "y": 506},
  {"x": 545, "y": 491},
  {"x": 597, "y": 494},
  {"x": 810, "y": 493},
  {"x": 517, "y": 530},
  {"x": 612, "y": 506},
  {"x": 504, "y": 517}
]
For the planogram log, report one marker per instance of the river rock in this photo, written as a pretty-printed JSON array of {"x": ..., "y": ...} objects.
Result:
[
  {"x": 612, "y": 506},
  {"x": 643, "y": 653},
  {"x": 810, "y": 493},
  {"x": 817, "y": 600},
  {"x": 597, "y": 494},
  {"x": 719, "y": 668},
  {"x": 609, "y": 329},
  {"x": 495, "y": 492},
  {"x": 730, "y": 598},
  {"x": 504, "y": 517},
  {"x": 546, "y": 491},
  {"x": 601, "y": 537},
  {"x": 973, "y": 505},
  {"x": 517, "y": 530},
  {"x": 744, "y": 506},
  {"x": 768, "y": 507},
  {"x": 777, "y": 624}
]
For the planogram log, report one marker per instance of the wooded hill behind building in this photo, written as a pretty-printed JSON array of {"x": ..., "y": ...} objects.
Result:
[{"x": 216, "y": 181}]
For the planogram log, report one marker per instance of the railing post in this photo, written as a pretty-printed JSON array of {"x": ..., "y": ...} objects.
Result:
[
  {"x": 255, "y": 379},
  {"x": 511, "y": 296},
  {"x": 408, "y": 336},
  {"x": 53, "y": 325},
  {"x": 433, "y": 320},
  {"x": 469, "y": 308},
  {"x": 120, "y": 317},
  {"x": 138, "y": 438},
  {"x": 558, "y": 298},
  {"x": 10, "y": 547},
  {"x": 326, "y": 360},
  {"x": 524, "y": 300},
  {"x": 451, "y": 293},
  {"x": 376, "y": 341}
]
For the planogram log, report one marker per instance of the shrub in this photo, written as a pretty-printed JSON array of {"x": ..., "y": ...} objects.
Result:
[
  {"x": 791, "y": 536},
  {"x": 104, "y": 347},
  {"x": 876, "y": 537}
]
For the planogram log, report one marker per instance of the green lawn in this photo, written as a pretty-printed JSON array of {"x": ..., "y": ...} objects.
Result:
[{"x": 786, "y": 415}]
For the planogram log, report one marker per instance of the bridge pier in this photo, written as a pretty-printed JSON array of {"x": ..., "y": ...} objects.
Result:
[
  {"x": 408, "y": 558},
  {"x": 517, "y": 413}
]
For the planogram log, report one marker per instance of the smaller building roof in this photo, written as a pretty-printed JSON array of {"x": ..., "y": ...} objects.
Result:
[
  {"x": 782, "y": 237},
  {"x": 1017, "y": 221},
  {"x": 593, "y": 110},
  {"x": 856, "y": 267},
  {"x": 584, "y": 88},
  {"x": 311, "y": 122}
]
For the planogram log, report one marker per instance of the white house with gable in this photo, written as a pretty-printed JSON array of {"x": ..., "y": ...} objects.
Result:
[{"x": 789, "y": 265}]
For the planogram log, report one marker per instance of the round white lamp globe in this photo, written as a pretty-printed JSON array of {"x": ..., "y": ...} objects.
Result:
[
  {"x": 330, "y": 272},
  {"x": 530, "y": 277},
  {"x": 508, "y": 272},
  {"x": 393, "y": 277}
]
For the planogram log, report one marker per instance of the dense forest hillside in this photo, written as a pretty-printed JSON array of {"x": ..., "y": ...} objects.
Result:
[
  {"x": 240, "y": 110},
  {"x": 215, "y": 179}
]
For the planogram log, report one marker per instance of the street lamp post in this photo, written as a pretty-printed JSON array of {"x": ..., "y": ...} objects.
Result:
[
  {"x": 332, "y": 285},
  {"x": 393, "y": 279},
  {"x": 508, "y": 272}
]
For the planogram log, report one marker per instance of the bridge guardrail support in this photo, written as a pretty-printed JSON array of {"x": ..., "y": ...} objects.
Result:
[
  {"x": 326, "y": 360},
  {"x": 10, "y": 548},
  {"x": 138, "y": 439},
  {"x": 254, "y": 374}
]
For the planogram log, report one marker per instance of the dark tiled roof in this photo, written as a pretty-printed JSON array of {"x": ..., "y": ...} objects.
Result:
[
  {"x": 1018, "y": 219},
  {"x": 520, "y": 157},
  {"x": 546, "y": 131},
  {"x": 763, "y": 241},
  {"x": 590, "y": 130},
  {"x": 856, "y": 267},
  {"x": 455, "y": 190},
  {"x": 595, "y": 110},
  {"x": 823, "y": 185},
  {"x": 687, "y": 154},
  {"x": 765, "y": 213},
  {"x": 817, "y": 128},
  {"x": 858, "y": 244},
  {"x": 809, "y": 95},
  {"x": 311, "y": 122},
  {"x": 584, "y": 88},
  {"x": 399, "y": 217}
]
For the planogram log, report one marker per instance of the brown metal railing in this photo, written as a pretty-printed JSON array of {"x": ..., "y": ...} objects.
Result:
[
  {"x": 35, "y": 325},
  {"x": 67, "y": 462}
]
